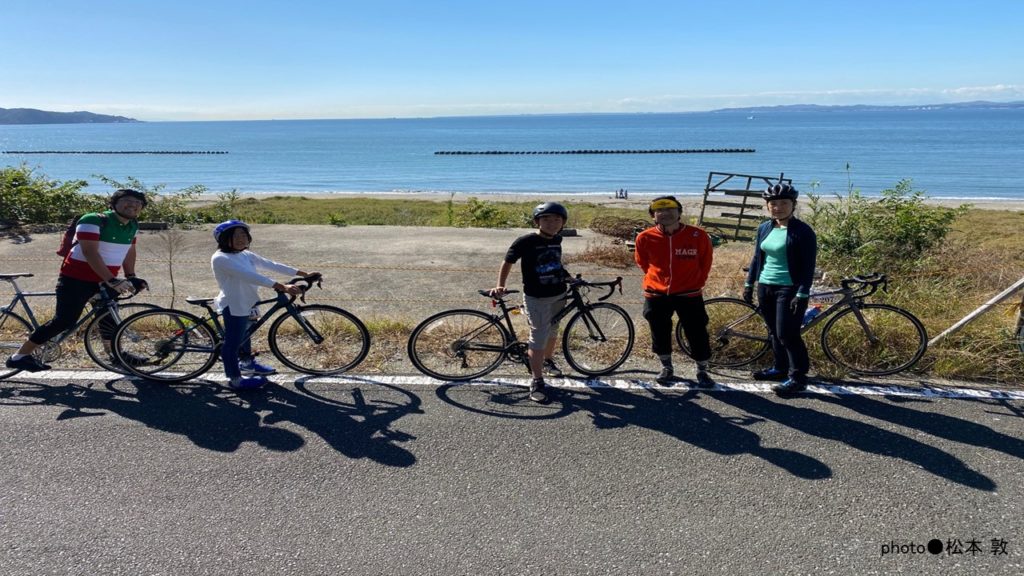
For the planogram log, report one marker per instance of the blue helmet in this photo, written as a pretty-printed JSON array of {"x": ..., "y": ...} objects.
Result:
[{"x": 225, "y": 226}]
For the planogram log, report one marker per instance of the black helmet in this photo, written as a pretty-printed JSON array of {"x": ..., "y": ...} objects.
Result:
[
  {"x": 550, "y": 208},
  {"x": 780, "y": 191},
  {"x": 127, "y": 192},
  {"x": 662, "y": 202}
]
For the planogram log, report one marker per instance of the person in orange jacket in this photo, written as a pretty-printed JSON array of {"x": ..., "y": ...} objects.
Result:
[{"x": 676, "y": 259}]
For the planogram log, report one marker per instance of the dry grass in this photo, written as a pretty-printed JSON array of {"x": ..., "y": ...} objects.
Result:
[
  {"x": 606, "y": 253},
  {"x": 623, "y": 228}
]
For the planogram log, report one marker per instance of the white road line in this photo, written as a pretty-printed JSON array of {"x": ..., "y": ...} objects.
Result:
[{"x": 620, "y": 383}]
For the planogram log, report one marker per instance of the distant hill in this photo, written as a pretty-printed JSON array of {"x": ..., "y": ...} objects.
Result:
[
  {"x": 33, "y": 116},
  {"x": 977, "y": 105}
]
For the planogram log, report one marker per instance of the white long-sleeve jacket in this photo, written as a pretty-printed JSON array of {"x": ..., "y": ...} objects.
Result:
[{"x": 238, "y": 279}]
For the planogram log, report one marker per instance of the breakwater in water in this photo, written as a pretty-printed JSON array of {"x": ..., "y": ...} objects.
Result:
[
  {"x": 656, "y": 151},
  {"x": 187, "y": 152}
]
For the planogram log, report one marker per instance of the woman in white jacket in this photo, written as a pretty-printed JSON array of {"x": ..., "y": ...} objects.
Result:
[{"x": 236, "y": 269}]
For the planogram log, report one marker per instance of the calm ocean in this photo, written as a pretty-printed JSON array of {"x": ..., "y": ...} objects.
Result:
[{"x": 974, "y": 154}]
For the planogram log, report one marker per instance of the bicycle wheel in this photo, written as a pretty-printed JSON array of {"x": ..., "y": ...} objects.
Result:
[
  {"x": 101, "y": 349},
  {"x": 166, "y": 345},
  {"x": 345, "y": 340},
  {"x": 458, "y": 345},
  {"x": 598, "y": 339},
  {"x": 737, "y": 332},
  {"x": 874, "y": 339},
  {"x": 14, "y": 331}
]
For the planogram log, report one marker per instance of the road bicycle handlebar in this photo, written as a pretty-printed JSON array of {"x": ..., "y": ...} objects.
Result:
[
  {"x": 869, "y": 282},
  {"x": 574, "y": 284},
  {"x": 579, "y": 282},
  {"x": 306, "y": 283},
  {"x": 110, "y": 294}
]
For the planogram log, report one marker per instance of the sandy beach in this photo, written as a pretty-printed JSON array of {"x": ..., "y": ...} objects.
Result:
[{"x": 691, "y": 201}]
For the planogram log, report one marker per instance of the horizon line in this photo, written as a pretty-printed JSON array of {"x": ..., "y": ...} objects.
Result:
[{"x": 735, "y": 109}]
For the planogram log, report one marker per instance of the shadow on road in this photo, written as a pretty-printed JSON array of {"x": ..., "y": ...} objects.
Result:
[
  {"x": 870, "y": 438},
  {"x": 356, "y": 419},
  {"x": 677, "y": 415},
  {"x": 672, "y": 414}
]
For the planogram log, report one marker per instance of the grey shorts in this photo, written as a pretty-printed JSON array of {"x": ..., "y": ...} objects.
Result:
[{"x": 539, "y": 313}]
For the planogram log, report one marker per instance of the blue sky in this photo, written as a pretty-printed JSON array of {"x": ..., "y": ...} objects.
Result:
[{"x": 186, "y": 60}]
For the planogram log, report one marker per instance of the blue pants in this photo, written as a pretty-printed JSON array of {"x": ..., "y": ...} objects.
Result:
[
  {"x": 784, "y": 329},
  {"x": 235, "y": 348}
]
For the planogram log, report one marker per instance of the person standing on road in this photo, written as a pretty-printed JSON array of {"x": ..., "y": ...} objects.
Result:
[
  {"x": 236, "y": 269},
  {"x": 544, "y": 280},
  {"x": 785, "y": 252},
  {"x": 104, "y": 245},
  {"x": 676, "y": 260}
]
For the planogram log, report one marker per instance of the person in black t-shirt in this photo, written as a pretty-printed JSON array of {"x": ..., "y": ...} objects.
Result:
[{"x": 543, "y": 288}]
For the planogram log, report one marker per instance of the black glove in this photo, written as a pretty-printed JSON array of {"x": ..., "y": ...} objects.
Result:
[
  {"x": 795, "y": 303},
  {"x": 138, "y": 284},
  {"x": 748, "y": 294}
]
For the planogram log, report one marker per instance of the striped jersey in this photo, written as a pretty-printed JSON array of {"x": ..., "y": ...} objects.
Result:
[{"x": 115, "y": 239}]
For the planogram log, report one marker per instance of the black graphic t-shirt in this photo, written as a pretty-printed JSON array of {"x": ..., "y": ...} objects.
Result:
[{"x": 543, "y": 275}]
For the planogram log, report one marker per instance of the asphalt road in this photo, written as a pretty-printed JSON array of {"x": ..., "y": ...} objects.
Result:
[{"x": 384, "y": 476}]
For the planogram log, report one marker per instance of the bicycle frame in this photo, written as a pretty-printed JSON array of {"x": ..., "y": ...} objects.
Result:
[
  {"x": 281, "y": 302},
  {"x": 107, "y": 303},
  {"x": 852, "y": 297},
  {"x": 575, "y": 301}
]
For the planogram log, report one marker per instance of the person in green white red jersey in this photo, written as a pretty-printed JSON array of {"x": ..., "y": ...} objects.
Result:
[{"x": 104, "y": 247}]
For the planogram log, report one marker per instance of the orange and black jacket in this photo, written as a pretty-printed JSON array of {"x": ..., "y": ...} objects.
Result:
[{"x": 674, "y": 264}]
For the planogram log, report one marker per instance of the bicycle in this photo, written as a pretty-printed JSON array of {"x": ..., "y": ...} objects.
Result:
[
  {"x": 868, "y": 339},
  {"x": 463, "y": 344},
  {"x": 106, "y": 307},
  {"x": 314, "y": 339}
]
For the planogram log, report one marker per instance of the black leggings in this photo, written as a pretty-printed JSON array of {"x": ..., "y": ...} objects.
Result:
[
  {"x": 658, "y": 311},
  {"x": 72, "y": 296},
  {"x": 784, "y": 328}
]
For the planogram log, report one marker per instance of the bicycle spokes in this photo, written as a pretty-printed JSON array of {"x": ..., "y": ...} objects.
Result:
[{"x": 458, "y": 345}]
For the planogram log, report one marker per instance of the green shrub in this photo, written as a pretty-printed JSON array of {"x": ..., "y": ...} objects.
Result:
[
  {"x": 30, "y": 198},
  {"x": 226, "y": 206},
  {"x": 858, "y": 234},
  {"x": 476, "y": 213},
  {"x": 171, "y": 207}
]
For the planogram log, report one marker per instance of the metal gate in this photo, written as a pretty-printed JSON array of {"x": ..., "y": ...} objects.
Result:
[{"x": 732, "y": 206}]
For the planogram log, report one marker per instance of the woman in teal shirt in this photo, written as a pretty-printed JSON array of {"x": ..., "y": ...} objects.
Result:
[{"x": 785, "y": 252}]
